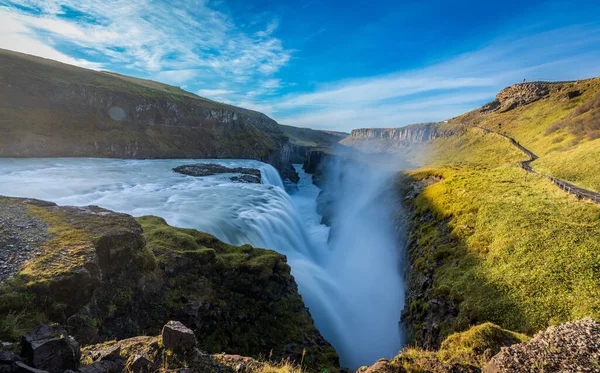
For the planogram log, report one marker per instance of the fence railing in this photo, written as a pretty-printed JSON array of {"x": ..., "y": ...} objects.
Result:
[{"x": 577, "y": 191}]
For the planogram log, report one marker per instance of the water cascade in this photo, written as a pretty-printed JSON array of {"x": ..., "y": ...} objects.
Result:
[{"x": 351, "y": 283}]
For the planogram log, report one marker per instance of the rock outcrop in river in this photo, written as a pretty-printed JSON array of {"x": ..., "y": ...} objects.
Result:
[{"x": 247, "y": 175}]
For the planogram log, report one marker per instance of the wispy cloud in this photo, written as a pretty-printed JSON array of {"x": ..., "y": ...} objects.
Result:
[
  {"x": 444, "y": 89},
  {"x": 172, "y": 40}
]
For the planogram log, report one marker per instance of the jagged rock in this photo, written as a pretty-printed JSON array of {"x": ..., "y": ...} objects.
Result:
[
  {"x": 139, "y": 364},
  {"x": 110, "y": 353},
  {"x": 48, "y": 347},
  {"x": 569, "y": 347},
  {"x": 517, "y": 95},
  {"x": 177, "y": 336},
  {"x": 381, "y": 366}
]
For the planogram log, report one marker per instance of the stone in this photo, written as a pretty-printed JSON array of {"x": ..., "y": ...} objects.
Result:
[
  {"x": 139, "y": 364},
  {"x": 102, "y": 367},
  {"x": 569, "y": 347},
  {"x": 177, "y": 336},
  {"x": 109, "y": 353},
  {"x": 49, "y": 348},
  {"x": 249, "y": 175}
]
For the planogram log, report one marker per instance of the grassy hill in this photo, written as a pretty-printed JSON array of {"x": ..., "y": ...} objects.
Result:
[
  {"x": 52, "y": 109},
  {"x": 490, "y": 242}
]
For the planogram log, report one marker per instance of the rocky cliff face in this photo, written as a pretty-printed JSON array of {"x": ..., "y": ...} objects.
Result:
[
  {"x": 389, "y": 140},
  {"x": 413, "y": 134},
  {"x": 518, "y": 95},
  {"x": 50, "y": 109}
]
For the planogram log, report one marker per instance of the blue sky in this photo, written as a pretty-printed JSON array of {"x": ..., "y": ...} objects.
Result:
[{"x": 322, "y": 64}]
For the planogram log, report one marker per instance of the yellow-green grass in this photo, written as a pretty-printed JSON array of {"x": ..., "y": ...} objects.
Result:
[
  {"x": 579, "y": 164},
  {"x": 467, "y": 349},
  {"x": 473, "y": 146},
  {"x": 506, "y": 247},
  {"x": 535, "y": 125}
]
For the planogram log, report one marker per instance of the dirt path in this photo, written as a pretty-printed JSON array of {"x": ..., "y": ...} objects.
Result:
[{"x": 570, "y": 188}]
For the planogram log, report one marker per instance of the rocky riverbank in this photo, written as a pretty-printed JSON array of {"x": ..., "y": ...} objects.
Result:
[{"x": 105, "y": 276}]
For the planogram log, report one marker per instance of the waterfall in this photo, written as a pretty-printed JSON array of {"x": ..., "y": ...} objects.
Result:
[
  {"x": 351, "y": 284},
  {"x": 364, "y": 262},
  {"x": 270, "y": 176}
]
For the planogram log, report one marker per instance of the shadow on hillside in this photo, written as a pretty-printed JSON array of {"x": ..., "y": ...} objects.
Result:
[{"x": 447, "y": 290}]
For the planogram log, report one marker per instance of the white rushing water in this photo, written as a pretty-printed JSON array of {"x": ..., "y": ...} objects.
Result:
[{"x": 351, "y": 284}]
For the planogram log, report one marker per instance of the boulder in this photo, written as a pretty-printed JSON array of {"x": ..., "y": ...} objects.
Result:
[
  {"x": 49, "y": 348},
  {"x": 176, "y": 336},
  {"x": 102, "y": 367},
  {"x": 138, "y": 364},
  {"x": 110, "y": 353}
]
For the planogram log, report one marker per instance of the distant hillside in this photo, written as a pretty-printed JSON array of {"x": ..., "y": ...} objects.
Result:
[
  {"x": 304, "y": 140},
  {"x": 560, "y": 122},
  {"x": 50, "y": 109}
]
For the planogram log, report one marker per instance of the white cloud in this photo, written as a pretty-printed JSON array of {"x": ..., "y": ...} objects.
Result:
[
  {"x": 208, "y": 93},
  {"x": 176, "y": 76},
  {"x": 14, "y": 35},
  {"x": 146, "y": 35},
  {"x": 445, "y": 89}
]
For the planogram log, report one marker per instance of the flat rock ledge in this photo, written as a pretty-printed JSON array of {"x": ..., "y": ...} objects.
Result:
[{"x": 248, "y": 175}]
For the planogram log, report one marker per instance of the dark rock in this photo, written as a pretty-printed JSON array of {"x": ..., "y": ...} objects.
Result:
[
  {"x": 20, "y": 367},
  {"x": 102, "y": 367},
  {"x": 176, "y": 336},
  {"x": 208, "y": 169},
  {"x": 249, "y": 179},
  {"x": 139, "y": 364},
  {"x": 8, "y": 357},
  {"x": 48, "y": 347},
  {"x": 573, "y": 94},
  {"x": 109, "y": 353}
]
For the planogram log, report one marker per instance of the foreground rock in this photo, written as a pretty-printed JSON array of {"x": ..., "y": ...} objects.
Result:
[
  {"x": 249, "y": 175},
  {"x": 176, "y": 353},
  {"x": 570, "y": 347},
  {"x": 106, "y": 276},
  {"x": 176, "y": 336},
  {"x": 50, "y": 348},
  {"x": 487, "y": 348}
]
